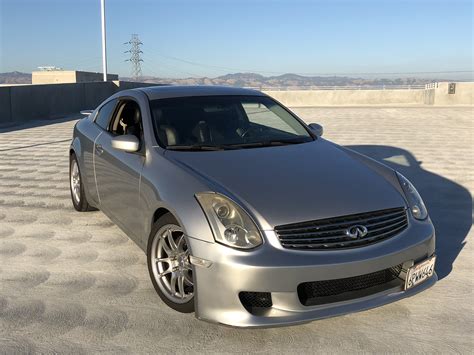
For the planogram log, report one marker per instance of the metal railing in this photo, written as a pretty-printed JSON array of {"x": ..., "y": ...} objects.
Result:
[
  {"x": 341, "y": 87},
  {"x": 431, "y": 86}
]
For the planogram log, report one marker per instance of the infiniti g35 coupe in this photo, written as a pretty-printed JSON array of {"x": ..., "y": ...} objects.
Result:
[{"x": 248, "y": 217}]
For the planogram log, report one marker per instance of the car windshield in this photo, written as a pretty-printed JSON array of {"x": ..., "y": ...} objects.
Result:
[{"x": 224, "y": 122}]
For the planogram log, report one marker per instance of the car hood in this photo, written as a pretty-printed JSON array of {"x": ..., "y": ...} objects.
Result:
[{"x": 294, "y": 183}]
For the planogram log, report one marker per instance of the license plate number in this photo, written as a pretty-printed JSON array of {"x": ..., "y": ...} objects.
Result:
[{"x": 420, "y": 272}]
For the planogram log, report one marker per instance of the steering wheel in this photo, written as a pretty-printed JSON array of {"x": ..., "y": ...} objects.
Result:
[{"x": 250, "y": 129}]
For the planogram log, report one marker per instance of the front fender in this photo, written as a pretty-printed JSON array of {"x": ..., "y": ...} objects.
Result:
[
  {"x": 166, "y": 185},
  {"x": 84, "y": 155}
]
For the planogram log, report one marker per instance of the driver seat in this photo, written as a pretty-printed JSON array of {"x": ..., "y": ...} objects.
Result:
[
  {"x": 202, "y": 132},
  {"x": 130, "y": 120}
]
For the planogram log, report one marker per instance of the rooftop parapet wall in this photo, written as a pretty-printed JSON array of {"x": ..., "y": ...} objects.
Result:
[
  {"x": 30, "y": 102},
  {"x": 433, "y": 94},
  {"x": 438, "y": 94},
  {"x": 311, "y": 98}
]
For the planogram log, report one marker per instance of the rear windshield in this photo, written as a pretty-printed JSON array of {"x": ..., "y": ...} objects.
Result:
[{"x": 225, "y": 122}]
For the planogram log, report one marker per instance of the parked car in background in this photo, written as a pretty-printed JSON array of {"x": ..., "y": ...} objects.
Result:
[{"x": 248, "y": 217}]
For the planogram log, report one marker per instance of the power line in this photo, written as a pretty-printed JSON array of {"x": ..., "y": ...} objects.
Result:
[
  {"x": 135, "y": 57},
  {"x": 310, "y": 74},
  {"x": 174, "y": 68}
]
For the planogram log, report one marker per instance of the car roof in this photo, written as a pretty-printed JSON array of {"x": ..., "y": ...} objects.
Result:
[{"x": 171, "y": 91}]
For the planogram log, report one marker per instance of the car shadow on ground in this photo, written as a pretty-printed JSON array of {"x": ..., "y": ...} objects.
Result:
[
  {"x": 449, "y": 204},
  {"x": 20, "y": 125}
]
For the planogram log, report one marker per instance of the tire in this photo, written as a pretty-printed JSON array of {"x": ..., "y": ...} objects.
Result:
[
  {"x": 178, "y": 295},
  {"x": 76, "y": 186}
]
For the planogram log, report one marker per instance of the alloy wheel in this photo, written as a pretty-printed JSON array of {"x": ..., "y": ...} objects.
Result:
[
  {"x": 171, "y": 267},
  {"x": 75, "y": 182}
]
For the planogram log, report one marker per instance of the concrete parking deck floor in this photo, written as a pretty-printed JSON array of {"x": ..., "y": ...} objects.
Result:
[{"x": 73, "y": 282}]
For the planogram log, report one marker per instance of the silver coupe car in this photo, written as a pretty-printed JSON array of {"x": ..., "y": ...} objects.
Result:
[{"x": 247, "y": 216}]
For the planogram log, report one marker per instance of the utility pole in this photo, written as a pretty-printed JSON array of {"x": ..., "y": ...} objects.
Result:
[
  {"x": 104, "y": 42},
  {"x": 135, "y": 58}
]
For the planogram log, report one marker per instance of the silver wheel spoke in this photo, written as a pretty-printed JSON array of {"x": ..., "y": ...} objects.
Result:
[
  {"x": 165, "y": 247},
  {"x": 173, "y": 283},
  {"x": 171, "y": 241},
  {"x": 181, "y": 243},
  {"x": 75, "y": 182},
  {"x": 163, "y": 260},
  {"x": 181, "y": 286},
  {"x": 164, "y": 273},
  {"x": 188, "y": 279}
]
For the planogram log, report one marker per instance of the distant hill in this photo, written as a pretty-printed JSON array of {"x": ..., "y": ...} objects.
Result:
[
  {"x": 252, "y": 80},
  {"x": 15, "y": 77},
  {"x": 285, "y": 80}
]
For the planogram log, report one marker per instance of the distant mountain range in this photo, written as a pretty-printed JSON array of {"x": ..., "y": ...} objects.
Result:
[
  {"x": 285, "y": 80},
  {"x": 15, "y": 78},
  {"x": 252, "y": 80}
]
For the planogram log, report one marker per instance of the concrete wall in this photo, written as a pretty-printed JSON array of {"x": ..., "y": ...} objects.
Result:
[
  {"x": 29, "y": 102},
  {"x": 67, "y": 76},
  {"x": 464, "y": 95},
  {"x": 437, "y": 96},
  {"x": 5, "y": 105},
  {"x": 302, "y": 98},
  {"x": 45, "y": 101}
]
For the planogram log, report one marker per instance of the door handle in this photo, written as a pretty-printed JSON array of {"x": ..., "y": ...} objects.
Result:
[{"x": 98, "y": 148}]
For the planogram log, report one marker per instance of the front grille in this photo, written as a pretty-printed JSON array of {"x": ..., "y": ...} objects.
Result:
[
  {"x": 330, "y": 233},
  {"x": 328, "y": 291}
]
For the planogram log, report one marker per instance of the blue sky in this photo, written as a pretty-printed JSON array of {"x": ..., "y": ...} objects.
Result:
[{"x": 211, "y": 38}]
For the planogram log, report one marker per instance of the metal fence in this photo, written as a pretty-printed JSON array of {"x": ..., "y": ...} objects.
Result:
[
  {"x": 336, "y": 87},
  {"x": 431, "y": 86}
]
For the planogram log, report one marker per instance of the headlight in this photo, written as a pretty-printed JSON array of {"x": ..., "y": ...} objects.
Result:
[
  {"x": 415, "y": 202},
  {"x": 230, "y": 224}
]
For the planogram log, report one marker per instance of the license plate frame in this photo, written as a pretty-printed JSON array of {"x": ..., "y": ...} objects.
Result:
[{"x": 420, "y": 272}]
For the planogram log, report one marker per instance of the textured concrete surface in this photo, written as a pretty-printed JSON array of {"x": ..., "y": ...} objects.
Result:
[{"x": 74, "y": 283}]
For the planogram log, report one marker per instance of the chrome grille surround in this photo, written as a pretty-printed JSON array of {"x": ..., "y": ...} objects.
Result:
[{"x": 330, "y": 233}]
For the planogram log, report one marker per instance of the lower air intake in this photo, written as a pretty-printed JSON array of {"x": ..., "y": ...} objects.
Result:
[{"x": 337, "y": 290}]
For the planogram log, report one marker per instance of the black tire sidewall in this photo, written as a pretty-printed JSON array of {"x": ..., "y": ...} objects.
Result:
[{"x": 187, "y": 307}]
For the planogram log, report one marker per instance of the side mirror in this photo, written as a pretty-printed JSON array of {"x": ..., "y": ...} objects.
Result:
[
  {"x": 128, "y": 143},
  {"x": 86, "y": 112},
  {"x": 317, "y": 129}
]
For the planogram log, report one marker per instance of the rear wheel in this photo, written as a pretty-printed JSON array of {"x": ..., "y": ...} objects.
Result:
[
  {"x": 78, "y": 196},
  {"x": 168, "y": 263}
]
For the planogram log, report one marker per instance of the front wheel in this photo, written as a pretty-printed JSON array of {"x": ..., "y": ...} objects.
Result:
[
  {"x": 168, "y": 263},
  {"x": 76, "y": 185}
]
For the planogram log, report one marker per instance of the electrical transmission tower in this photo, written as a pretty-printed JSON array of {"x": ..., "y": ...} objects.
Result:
[{"x": 135, "y": 58}]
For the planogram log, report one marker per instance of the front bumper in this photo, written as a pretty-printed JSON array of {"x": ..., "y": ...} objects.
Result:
[{"x": 271, "y": 268}]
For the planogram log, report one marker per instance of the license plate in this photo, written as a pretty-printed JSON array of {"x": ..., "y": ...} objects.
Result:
[{"x": 420, "y": 272}]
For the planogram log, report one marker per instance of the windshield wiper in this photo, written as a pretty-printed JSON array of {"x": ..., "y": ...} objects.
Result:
[
  {"x": 194, "y": 147},
  {"x": 208, "y": 147},
  {"x": 271, "y": 143}
]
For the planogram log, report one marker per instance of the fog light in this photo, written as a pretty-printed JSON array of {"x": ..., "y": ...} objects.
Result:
[{"x": 256, "y": 302}]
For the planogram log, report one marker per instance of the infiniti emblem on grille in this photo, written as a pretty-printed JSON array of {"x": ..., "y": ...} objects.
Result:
[{"x": 358, "y": 231}]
